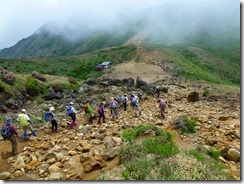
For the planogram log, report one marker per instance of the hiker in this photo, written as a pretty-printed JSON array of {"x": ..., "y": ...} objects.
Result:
[
  {"x": 136, "y": 107},
  {"x": 101, "y": 111},
  {"x": 11, "y": 134},
  {"x": 132, "y": 95},
  {"x": 88, "y": 110},
  {"x": 162, "y": 106},
  {"x": 124, "y": 100},
  {"x": 52, "y": 120},
  {"x": 114, "y": 106},
  {"x": 25, "y": 122},
  {"x": 140, "y": 96},
  {"x": 154, "y": 88},
  {"x": 158, "y": 92},
  {"x": 70, "y": 111}
]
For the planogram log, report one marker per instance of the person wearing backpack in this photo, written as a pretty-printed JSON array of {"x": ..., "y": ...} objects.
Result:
[
  {"x": 101, "y": 111},
  {"x": 10, "y": 133},
  {"x": 154, "y": 87},
  {"x": 52, "y": 120},
  {"x": 88, "y": 110},
  {"x": 162, "y": 106},
  {"x": 140, "y": 96},
  {"x": 135, "y": 106},
  {"x": 70, "y": 111},
  {"x": 25, "y": 122},
  {"x": 114, "y": 106},
  {"x": 124, "y": 100}
]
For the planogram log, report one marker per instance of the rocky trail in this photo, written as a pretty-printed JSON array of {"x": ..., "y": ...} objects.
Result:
[
  {"x": 85, "y": 151},
  {"x": 89, "y": 150}
]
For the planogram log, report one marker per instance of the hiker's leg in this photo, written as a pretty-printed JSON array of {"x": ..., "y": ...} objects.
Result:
[
  {"x": 31, "y": 129},
  {"x": 14, "y": 144},
  {"x": 103, "y": 115},
  {"x": 117, "y": 113},
  {"x": 25, "y": 135},
  {"x": 53, "y": 125},
  {"x": 56, "y": 126},
  {"x": 99, "y": 119}
]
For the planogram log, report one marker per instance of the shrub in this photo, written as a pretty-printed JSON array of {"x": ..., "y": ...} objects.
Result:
[
  {"x": 205, "y": 93},
  {"x": 189, "y": 125},
  {"x": 72, "y": 80},
  {"x": 33, "y": 87}
]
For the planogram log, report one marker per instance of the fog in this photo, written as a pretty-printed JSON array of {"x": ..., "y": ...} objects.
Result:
[
  {"x": 21, "y": 18},
  {"x": 73, "y": 19}
]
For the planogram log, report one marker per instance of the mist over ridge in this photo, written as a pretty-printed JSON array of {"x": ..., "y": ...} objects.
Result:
[{"x": 173, "y": 22}]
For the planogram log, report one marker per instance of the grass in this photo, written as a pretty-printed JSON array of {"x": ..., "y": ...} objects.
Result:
[
  {"x": 200, "y": 60},
  {"x": 80, "y": 67},
  {"x": 158, "y": 158}
]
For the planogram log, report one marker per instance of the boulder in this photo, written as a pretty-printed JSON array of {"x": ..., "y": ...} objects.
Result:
[
  {"x": 140, "y": 83},
  {"x": 193, "y": 96},
  {"x": 91, "y": 81},
  {"x": 55, "y": 176},
  {"x": 39, "y": 76},
  {"x": 128, "y": 81},
  {"x": 233, "y": 155}
]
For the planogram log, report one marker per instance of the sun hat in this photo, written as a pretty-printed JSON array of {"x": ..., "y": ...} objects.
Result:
[
  {"x": 51, "y": 109},
  {"x": 71, "y": 103},
  {"x": 23, "y": 110}
]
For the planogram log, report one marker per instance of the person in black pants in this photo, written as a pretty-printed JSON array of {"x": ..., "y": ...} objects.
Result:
[
  {"x": 53, "y": 120},
  {"x": 101, "y": 112}
]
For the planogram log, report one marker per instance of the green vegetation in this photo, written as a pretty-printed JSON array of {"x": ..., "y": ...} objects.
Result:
[
  {"x": 151, "y": 154},
  {"x": 213, "y": 59},
  {"x": 79, "y": 67},
  {"x": 205, "y": 93},
  {"x": 189, "y": 125}
]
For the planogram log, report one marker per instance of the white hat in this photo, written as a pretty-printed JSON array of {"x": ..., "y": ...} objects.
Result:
[
  {"x": 51, "y": 109},
  {"x": 23, "y": 110},
  {"x": 71, "y": 103},
  {"x": 111, "y": 98},
  {"x": 104, "y": 102}
]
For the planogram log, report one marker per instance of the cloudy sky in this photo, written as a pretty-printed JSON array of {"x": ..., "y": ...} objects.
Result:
[{"x": 21, "y": 18}]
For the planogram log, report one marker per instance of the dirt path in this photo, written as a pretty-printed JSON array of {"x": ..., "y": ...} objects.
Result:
[{"x": 146, "y": 71}]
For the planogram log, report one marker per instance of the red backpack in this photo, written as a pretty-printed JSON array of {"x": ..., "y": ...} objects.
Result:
[{"x": 99, "y": 110}]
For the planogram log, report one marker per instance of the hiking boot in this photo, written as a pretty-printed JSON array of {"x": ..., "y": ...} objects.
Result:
[{"x": 25, "y": 135}]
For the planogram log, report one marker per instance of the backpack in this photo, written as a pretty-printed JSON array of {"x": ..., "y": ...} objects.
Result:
[
  {"x": 123, "y": 99},
  {"x": 114, "y": 105},
  {"x": 22, "y": 120},
  {"x": 162, "y": 104},
  {"x": 99, "y": 110},
  {"x": 134, "y": 102},
  {"x": 47, "y": 116},
  {"x": 5, "y": 132},
  {"x": 69, "y": 110},
  {"x": 140, "y": 94}
]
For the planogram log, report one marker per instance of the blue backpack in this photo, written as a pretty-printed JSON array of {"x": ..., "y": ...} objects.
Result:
[
  {"x": 47, "y": 116},
  {"x": 68, "y": 110},
  {"x": 6, "y": 132},
  {"x": 134, "y": 102}
]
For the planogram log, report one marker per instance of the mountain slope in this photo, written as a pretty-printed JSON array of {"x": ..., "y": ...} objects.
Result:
[{"x": 172, "y": 24}]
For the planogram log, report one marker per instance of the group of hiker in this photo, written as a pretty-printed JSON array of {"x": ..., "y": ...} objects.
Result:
[{"x": 10, "y": 133}]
